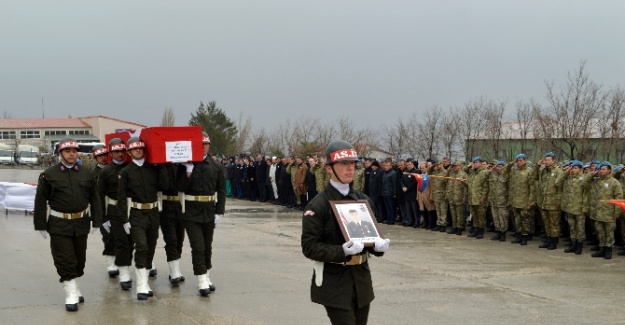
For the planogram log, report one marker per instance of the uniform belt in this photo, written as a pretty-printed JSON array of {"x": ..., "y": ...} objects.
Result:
[
  {"x": 200, "y": 198},
  {"x": 356, "y": 260},
  {"x": 144, "y": 206},
  {"x": 111, "y": 201},
  {"x": 70, "y": 216},
  {"x": 174, "y": 198}
]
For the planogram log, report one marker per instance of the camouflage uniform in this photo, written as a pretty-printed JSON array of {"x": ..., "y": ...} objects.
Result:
[
  {"x": 498, "y": 199},
  {"x": 321, "y": 177},
  {"x": 549, "y": 198},
  {"x": 358, "y": 184},
  {"x": 572, "y": 204},
  {"x": 457, "y": 196},
  {"x": 521, "y": 196},
  {"x": 604, "y": 214},
  {"x": 439, "y": 187},
  {"x": 478, "y": 198},
  {"x": 618, "y": 176}
]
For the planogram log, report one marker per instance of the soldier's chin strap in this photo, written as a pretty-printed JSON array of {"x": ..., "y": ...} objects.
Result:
[{"x": 335, "y": 174}]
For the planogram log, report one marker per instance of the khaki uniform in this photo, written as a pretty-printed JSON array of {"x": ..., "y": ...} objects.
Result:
[
  {"x": 478, "y": 196},
  {"x": 439, "y": 189},
  {"x": 521, "y": 195},
  {"x": 358, "y": 184},
  {"x": 604, "y": 214},
  {"x": 573, "y": 204},
  {"x": 549, "y": 197},
  {"x": 457, "y": 195},
  {"x": 498, "y": 199}
]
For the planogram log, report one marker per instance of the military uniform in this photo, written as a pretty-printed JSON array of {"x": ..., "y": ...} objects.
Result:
[
  {"x": 171, "y": 220},
  {"x": 572, "y": 205},
  {"x": 521, "y": 195},
  {"x": 205, "y": 197},
  {"x": 548, "y": 200},
  {"x": 107, "y": 238},
  {"x": 604, "y": 214},
  {"x": 67, "y": 206},
  {"x": 358, "y": 184},
  {"x": 108, "y": 184},
  {"x": 343, "y": 287},
  {"x": 498, "y": 200},
  {"x": 457, "y": 195},
  {"x": 478, "y": 200},
  {"x": 439, "y": 188}
]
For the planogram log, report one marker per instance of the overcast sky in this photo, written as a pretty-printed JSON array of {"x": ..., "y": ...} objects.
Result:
[{"x": 276, "y": 59}]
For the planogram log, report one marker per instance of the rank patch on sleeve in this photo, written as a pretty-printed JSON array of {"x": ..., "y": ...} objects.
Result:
[{"x": 309, "y": 213}]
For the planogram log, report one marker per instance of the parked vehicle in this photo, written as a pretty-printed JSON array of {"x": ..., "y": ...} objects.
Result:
[
  {"x": 6, "y": 154},
  {"x": 27, "y": 155}
]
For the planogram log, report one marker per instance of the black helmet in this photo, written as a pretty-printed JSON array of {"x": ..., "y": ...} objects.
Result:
[
  {"x": 205, "y": 138},
  {"x": 135, "y": 142},
  {"x": 99, "y": 150},
  {"x": 116, "y": 144},
  {"x": 340, "y": 151},
  {"x": 67, "y": 143}
]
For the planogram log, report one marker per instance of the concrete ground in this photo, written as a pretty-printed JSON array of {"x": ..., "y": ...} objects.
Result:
[{"x": 263, "y": 278}]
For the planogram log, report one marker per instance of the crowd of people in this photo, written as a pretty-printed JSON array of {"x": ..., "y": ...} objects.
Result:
[{"x": 547, "y": 200}]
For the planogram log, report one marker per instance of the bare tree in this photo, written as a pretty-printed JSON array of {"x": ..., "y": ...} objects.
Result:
[
  {"x": 449, "y": 133},
  {"x": 395, "y": 138},
  {"x": 260, "y": 142},
  {"x": 244, "y": 128},
  {"x": 428, "y": 133},
  {"x": 493, "y": 116},
  {"x": 363, "y": 139},
  {"x": 612, "y": 129},
  {"x": 168, "y": 117},
  {"x": 524, "y": 123},
  {"x": 471, "y": 125},
  {"x": 567, "y": 122}
]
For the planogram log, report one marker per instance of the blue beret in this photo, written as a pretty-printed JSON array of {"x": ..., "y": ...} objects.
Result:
[
  {"x": 520, "y": 156},
  {"x": 595, "y": 162},
  {"x": 617, "y": 168},
  {"x": 500, "y": 163},
  {"x": 566, "y": 164},
  {"x": 577, "y": 163},
  {"x": 586, "y": 165},
  {"x": 476, "y": 159},
  {"x": 549, "y": 154}
]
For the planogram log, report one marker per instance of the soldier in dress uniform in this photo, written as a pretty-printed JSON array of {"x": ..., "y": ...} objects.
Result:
[
  {"x": 100, "y": 154},
  {"x": 171, "y": 221},
  {"x": 67, "y": 207},
  {"x": 137, "y": 201},
  {"x": 204, "y": 188},
  {"x": 108, "y": 183},
  {"x": 341, "y": 280}
]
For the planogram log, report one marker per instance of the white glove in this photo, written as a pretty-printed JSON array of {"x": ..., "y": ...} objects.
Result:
[
  {"x": 381, "y": 245},
  {"x": 93, "y": 230},
  {"x": 217, "y": 219},
  {"x": 127, "y": 228},
  {"x": 107, "y": 226},
  {"x": 44, "y": 234},
  {"x": 189, "y": 167},
  {"x": 351, "y": 248}
]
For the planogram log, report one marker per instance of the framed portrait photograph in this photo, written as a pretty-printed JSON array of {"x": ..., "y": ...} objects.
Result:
[{"x": 357, "y": 221}]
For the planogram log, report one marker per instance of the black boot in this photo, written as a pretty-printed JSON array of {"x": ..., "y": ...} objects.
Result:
[
  {"x": 571, "y": 248},
  {"x": 459, "y": 231},
  {"x": 437, "y": 228},
  {"x": 524, "y": 240},
  {"x": 473, "y": 233},
  {"x": 608, "y": 253},
  {"x": 480, "y": 233},
  {"x": 553, "y": 244},
  {"x": 502, "y": 236},
  {"x": 442, "y": 228},
  {"x": 621, "y": 253},
  {"x": 578, "y": 247},
  {"x": 517, "y": 239},
  {"x": 451, "y": 230},
  {"x": 497, "y": 236},
  {"x": 599, "y": 253},
  {"x": 546, "y": 243}
]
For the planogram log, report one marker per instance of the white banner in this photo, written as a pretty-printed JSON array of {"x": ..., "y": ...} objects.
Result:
[{"x": 18, "y": 196}]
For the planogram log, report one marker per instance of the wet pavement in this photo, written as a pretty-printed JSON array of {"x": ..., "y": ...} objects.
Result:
[{"x": 262, "y": 278}]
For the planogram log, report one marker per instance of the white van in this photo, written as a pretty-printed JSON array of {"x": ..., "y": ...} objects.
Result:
[
  {"x": 6, "y": 154},
  {"x": 27, "y": 154}
]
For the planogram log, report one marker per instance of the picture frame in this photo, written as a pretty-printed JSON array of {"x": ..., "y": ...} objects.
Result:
[{"x": 357, "y": 221}]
